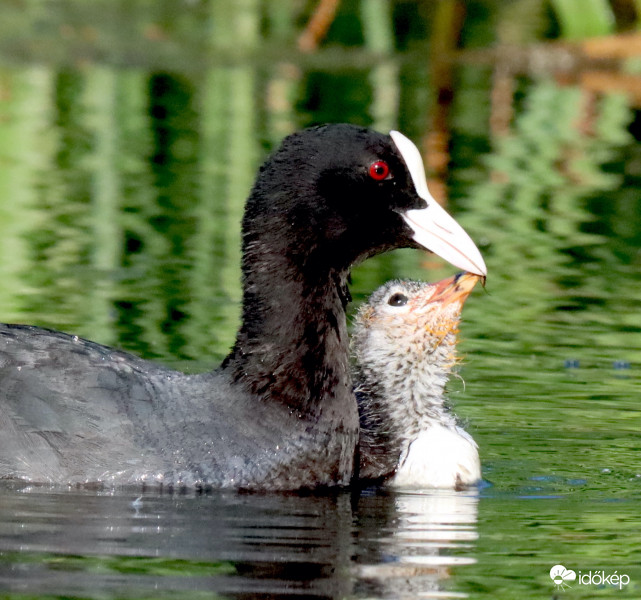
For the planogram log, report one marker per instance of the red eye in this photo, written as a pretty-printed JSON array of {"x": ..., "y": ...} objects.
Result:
[{"x": 379, "y": 170}]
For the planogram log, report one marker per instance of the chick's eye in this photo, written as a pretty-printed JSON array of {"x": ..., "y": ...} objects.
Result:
[
  {"x": 397, "y": 299},
  {"x": 379, "y": 170}
]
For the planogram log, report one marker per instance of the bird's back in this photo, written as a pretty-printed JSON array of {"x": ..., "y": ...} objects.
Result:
[{"x": 73, "y": 411}]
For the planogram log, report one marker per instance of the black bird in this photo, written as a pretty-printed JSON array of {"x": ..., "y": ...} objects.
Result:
[{"x": 279, "y": 413}]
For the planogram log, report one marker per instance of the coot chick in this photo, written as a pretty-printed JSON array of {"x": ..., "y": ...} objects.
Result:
[
  {"x": 280, "y": 412},
  {"x": 404, "y": 345}
]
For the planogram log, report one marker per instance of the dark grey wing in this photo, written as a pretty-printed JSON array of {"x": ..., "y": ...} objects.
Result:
[{"x": 70, "y": 410}]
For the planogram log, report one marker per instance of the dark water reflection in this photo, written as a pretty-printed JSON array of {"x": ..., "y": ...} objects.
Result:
[
  {"x": 246, "y": 546},
  {"x": 429, "y": 545}
]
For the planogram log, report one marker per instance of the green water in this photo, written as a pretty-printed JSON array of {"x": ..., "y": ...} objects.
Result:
[{"x": 129, "y": 138}]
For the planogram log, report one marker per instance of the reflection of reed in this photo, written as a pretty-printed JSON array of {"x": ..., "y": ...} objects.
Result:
[
  {"x": 25, "y": 102},
  {"x": 596, "y": 65},
  {"x": 449, "y": 20},
  {"x": 125, "y": 221},
  {"x": 534, "y": 203},
  {"x": 105, "y": 202},
  {"x": 318, "y": 25}
]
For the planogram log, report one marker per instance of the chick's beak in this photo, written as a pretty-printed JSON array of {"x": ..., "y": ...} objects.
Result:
[{"x": 454, "y": 289}]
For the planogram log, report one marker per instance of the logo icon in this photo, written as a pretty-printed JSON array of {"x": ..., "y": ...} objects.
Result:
[{"x": 560, "y": 576}]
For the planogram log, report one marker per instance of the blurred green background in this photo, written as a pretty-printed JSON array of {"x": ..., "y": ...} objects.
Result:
[{"x": 130, "y": 134}]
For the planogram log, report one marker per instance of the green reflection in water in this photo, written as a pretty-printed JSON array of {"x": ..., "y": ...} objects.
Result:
[{"x": 520, "y": 540}]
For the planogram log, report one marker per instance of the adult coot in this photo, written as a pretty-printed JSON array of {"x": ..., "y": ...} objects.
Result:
[
  {"x": 404, "y": 344},
  {"x": 280, "y": 412}
]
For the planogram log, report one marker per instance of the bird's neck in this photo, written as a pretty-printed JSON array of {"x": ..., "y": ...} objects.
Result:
[
  {"x": 292, "y": 347},
  {"x": 406, "y": 392}
]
